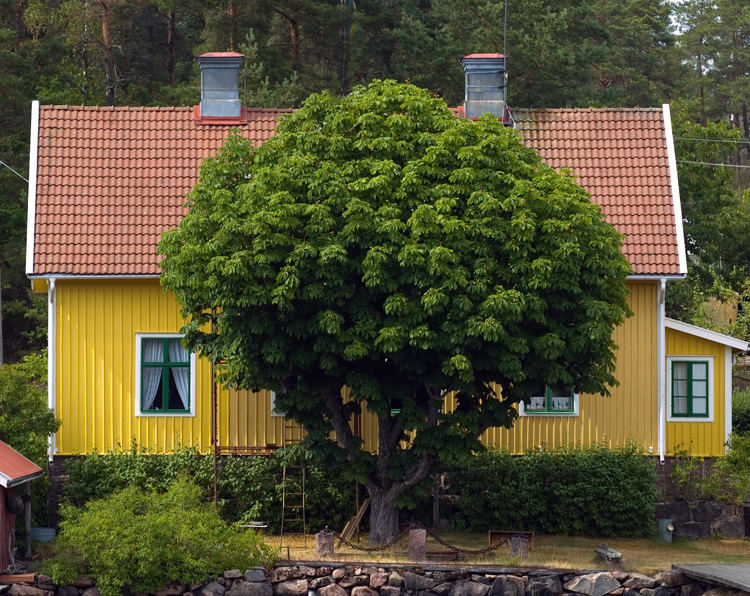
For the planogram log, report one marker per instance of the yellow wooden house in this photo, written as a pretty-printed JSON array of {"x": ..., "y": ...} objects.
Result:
[{"x": 105, "y": 182}]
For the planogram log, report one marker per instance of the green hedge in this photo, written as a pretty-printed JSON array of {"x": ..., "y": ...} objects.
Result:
[
  {"x": 249, "y": 487},
  {"x": 741, "y": 411},
  {"x": 593, "y": 490}
]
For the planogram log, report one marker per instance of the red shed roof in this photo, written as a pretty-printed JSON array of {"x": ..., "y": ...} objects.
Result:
[
  {"x": 109, "y": 180},
  {"x": 15, "y": 468}
]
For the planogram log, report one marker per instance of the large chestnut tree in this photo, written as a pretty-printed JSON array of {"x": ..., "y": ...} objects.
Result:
[{"x": 381, "y": 248}]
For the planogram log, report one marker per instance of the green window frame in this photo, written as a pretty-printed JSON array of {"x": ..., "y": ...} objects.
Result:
[
  {"x": 553, "y": 402},
  {"x": 165, "y": 376},
  {"x": 690, "y": 388}
]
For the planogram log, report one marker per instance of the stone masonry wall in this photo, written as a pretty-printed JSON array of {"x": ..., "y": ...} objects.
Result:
[{"x": 336, "y": 579}]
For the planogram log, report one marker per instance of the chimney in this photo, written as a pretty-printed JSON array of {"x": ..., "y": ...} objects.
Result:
[
  {"x": 220, "y": 90},
  {"x": 485, "y": 85}
]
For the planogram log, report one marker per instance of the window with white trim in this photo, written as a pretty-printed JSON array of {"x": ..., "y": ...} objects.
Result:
[
  {"x": 554, "y": 402},
  {"x": 165, "y": 376},
  {"x": 690, "y": 388}
]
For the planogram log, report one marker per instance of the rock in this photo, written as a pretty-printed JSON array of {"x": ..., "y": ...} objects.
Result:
[
  {"x": 67, "y": 591},
  {"x": 233, "y": 574},
  {"x": 255, "y": 575},
  {"x": 693, "y": 530},
  {"x": 323, "y": 571},
  {"x": 469, "y": 588},
  {"x": 291, "y": 587},
  {"x": 671, "y": 578},
  {"x": 171, "y": 590},
  {"x": 282, "y": 574},
  {"x": 481, "y": 579},
  {"x": 83, "y": 582},
  {"x": 378, "y": 579},
  {"x": 620, "y": 576},
  {"x": 593, "y": 584},
  {"x": 638, "y": 581},
  {"x": 243, "y": 588},
  {"x": 505, "y": 586},
  {"x": 22, "y": 590},
  {"x": 332, "y": 590},
  {"x": 320, "y": 582},
  {"x": 694, "y": 589},
  {"x": 665, "y": 591},
  {"x": 354, "y": 580},
  {"x": 412, "y": 581},
  {"x": 338, "y": 573},
  {"x": 363, "y": 591},
  {"x": 306, "y": 570},
  {"x": 92, "y": 591},
  {"x": 44, "y": 582},
  {"x": 390, "y": 591},
  {"x": 545, "y": 586},
  {"x": 445, "y": 576},
  {"x": 222, "y": 581},
  {"x": 212, "y": 589},
  {"x": 716, "y": 591},
  {"x": 442, "y": 589},
  {"x": 395, "y": 579},
  {"x": 647, "y": 592}
]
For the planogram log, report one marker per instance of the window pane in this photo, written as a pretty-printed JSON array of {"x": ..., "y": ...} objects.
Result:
[
  {"x": 700, "y": 406},
  {"x": 561, "y": 404},
  {"x": 153, "y": 350},
  {"x": 700, "y": 371},
  {"x": 699, "y": 389},
  {"x": 679, "y": 388},
  {"x": 537, "y": 403},
  {"x": 680, "y": 405},
  {"x": 680, "y": 370},
  {"x": 177, "y": 352}
]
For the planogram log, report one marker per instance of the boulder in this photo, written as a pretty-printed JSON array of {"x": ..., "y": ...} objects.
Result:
[
  {"x": 545, "y": 586},
  {"x": 390, "y": 591},
  {"x": 320, "y": 582},
  {"x": 363, "y": 591},
  {"x": 255, "y": 575},
  {"x": 469, "y": 588},
  {"x": 593, "y": 584},
  {"x": 92, "y": 591},
  {"x": 233, "y": 574},
  {"x": 505, "y": 586},
  {"x": 22, "y": 590},
  {"x": 291, "y": 587},
  {"x": 338, "y": 573},
  {"x": 378, "y": 579},
  {"x": 671, "y": 578},
  {"x": 332, "y": 590},
  {"x": 395, "y": 579},
  {"x": 244, "y": 588},
  {"x": 413, "y": 581},
  {"x": 212, "y": 589},
  {"x": 67, "y": 591},
  {"x": 638, "y": 581},
  {"x": 442, "y": 589}
]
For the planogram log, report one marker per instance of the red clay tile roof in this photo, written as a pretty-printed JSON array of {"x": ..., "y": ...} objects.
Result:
[
  {"x": 15, "y": 468},
  {"x": 111, "y": 180}
]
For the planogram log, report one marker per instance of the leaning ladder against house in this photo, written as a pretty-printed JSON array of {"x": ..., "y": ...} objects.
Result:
[{"x": 293, "y": 505}]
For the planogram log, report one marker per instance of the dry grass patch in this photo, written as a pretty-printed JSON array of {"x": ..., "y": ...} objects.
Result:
[{"x": 566, "y": 552}]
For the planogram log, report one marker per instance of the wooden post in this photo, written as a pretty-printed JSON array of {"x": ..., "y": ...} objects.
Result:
[{"x": 27, "y": 515}]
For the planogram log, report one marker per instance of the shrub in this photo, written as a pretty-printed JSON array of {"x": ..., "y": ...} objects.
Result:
[
  {"x": 590, "y": 490},
  {"x": 139, "y": 540},
  {"x": 741, "y": 411},
  {"x": 248, "y": 487}
]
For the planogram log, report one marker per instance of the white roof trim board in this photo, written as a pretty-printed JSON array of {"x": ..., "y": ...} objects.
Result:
[
  {"x": 31, "y": 213},
  {"x": 679, "y": 232},
  {"x": 719, "y": 338}
]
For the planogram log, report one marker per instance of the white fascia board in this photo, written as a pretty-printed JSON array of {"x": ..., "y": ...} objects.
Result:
[
  {"x": 654, "y": 277},
  {"x": 31, "y": 207},
  {"x": 9, "y": 483},
  {"x": 74, "y": 276},
  {"x": 727, "y": 395},
  {"x": 719, "y": 338},
  {"x": 675, "y": 187}
]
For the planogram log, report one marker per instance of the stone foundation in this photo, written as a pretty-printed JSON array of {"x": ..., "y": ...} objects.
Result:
[
  {"x": 337, "y": 579},
  {"x": 699, "y": 519}
]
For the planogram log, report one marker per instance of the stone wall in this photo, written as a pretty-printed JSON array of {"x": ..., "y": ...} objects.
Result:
[
  {"x": 700, "y": 519},
  {"x": 336, "y": 579}
]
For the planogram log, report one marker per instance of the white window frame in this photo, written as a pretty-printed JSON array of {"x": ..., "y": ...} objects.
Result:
[
  {"x": 139, "y": 337},
  {"x": 522, "y": 411},
  {"x": 711, "y": 381},
  {"x": 274, "y": 412}
]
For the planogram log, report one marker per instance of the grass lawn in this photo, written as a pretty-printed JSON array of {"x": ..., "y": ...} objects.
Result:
[{"x": 570, "y": 552}]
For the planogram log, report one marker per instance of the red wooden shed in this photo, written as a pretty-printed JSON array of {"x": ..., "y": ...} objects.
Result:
[{"x": 15, "y": 471}]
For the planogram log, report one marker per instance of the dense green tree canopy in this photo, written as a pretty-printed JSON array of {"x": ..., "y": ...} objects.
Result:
[{"x": 382, "y": 244}]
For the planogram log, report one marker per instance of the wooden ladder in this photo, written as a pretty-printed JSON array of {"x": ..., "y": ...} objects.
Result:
[{"x": 293, "y": 500}]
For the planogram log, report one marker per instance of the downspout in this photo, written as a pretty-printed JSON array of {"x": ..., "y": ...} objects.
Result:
[
  {"x": 661, "y": 370},
  {"x": 52, "y": 357}
]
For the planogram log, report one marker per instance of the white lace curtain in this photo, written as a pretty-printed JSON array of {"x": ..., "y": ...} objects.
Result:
[
  {"x": 152, "y": 352},
  {"x": 180, "y": 374}
]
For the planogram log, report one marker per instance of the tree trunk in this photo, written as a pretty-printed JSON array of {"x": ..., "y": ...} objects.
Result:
[
  {"x": 170, "y": 46},
  {"x": 383, "y": 515}
]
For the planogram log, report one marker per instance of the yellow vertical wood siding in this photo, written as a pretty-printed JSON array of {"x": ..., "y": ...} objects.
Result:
[
  {"x": 700, "y": 438},
  {"x": 97, "y": 322},
  {"x": 631, "y": 411}
]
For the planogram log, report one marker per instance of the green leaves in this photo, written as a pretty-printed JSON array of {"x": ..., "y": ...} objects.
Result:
[{"x": 381, "y": 243}]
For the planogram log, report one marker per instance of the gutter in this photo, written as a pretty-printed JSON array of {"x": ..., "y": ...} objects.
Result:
[
  {"x": 52, "y": 358},
  {"x": 661, "y": 356},
  {"x": 9, "y": 482}
]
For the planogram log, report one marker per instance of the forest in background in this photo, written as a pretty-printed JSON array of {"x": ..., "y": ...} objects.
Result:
[{"x": 693, "y": 54}]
